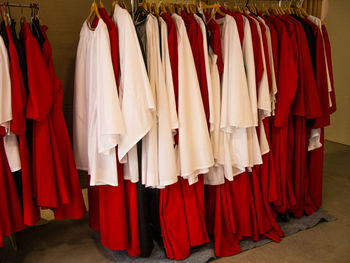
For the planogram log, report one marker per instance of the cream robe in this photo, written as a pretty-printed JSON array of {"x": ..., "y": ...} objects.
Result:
[
  {"x": 137, "y": 102},
  {"x": 158, "y": 153},
  {"x": 194, "y": 148},
  {"x": 98, "y": 121}
]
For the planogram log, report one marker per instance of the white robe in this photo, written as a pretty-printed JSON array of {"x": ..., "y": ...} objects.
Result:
[
  {"x": 5, "y": 90},
  {"x": 194, "y": 147},
  {"x": 238, "y": 137},
  {"x": 98, "y": 121},
  {"x": 265, "y": 103},
  {"x": 158, "y": 153},
  {"x": 137, "y": 102}
]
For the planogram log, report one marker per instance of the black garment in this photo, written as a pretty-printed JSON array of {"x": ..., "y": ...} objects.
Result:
[
  {"x": 311, "y": 39},
  {"x": 37, "y": 32},
  {"x": 148, "y": 199},
  {"x": 206, "y": 29},
  {"x": 20, "y": 53}
]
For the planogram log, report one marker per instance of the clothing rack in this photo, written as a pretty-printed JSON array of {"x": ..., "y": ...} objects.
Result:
[{"x": 21, "y": 5}]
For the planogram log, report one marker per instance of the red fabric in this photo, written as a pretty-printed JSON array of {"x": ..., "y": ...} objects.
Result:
[
  {"x": 195, "y": 211},
  {"x": 281, "y": 138},
  {"x": 330, "y": 67},
  {"x": 315, "y": 169},
  {"x": 11, "y": 217},
  {"x": 40, "y": 98},
  {"x": 174, "y": 222},
  {"x": 321, "y": 78},
  {"x": 173, "y": 52},
  {"x": 287, "y": 76},
  {"x": 315, "y": 157},
  {"x": 215, "y": 41},
  {"x": 31, "y": 213},
  {"x": 274, "y": 42},
  {"x": 74, "y": 206}
]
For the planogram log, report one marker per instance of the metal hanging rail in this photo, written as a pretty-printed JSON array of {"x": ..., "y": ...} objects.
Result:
[{"x": 20, "y": 5}]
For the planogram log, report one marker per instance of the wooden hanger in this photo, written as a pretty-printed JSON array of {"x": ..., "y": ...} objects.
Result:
[
  {"x": 216, "y": 10},
  {"x": 193, "y": 8},
  {"x": 187, "y": 8},
  {"x": 101, "y": 4},
  {"x": 154, "y": 9},
  {"x": 94, "y": 9},
  {"x": 2, "y": 17},
  {"x": 162, "y": 8}
]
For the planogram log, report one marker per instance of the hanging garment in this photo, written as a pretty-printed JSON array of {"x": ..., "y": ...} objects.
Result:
[
  {"x": 48, "y": 184},
  {"x": 11, "y": 218},
  {"x": 172, "y": 213},
  {"x": 133, "y": 91},
  {"x": 18, "y": 126},
  {"x": 121, "y": 199},
  {"x": 75, "y": 208},
  {"x": 287, "y": 85},
  {"x": 194, "y": 149},
  {"x": 159, "y": 167},
  {"x": 99, "y": 123}
]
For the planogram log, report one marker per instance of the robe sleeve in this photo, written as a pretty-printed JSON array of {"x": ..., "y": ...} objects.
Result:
[
  {"x": 235, "y": 109},
  {"x": 287, "y": 79},
  {"x": 137, "y": 102},
  {"x": 5, "y": 90},
  {"x": 39, "y": 79}
]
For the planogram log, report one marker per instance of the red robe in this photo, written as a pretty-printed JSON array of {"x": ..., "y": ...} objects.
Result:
[
  {"x": 48, "y": 180},
  {"x": 31, "y": 213},
  {"x": 11, "y": 218},
  {"x": 75, "y": 207},
  {"x": 287, "y": 86},
  {"x": 316, "y": 157}
]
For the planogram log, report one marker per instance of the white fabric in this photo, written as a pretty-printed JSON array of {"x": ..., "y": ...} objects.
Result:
[
  {"x": 266, "y": 101},
  {"x": 194, "y": 147},
  {"x": 12, "y": 152},
  {"x": 236, "y": 108},
  {"x": 98, "y": 120},
  {"x": 207, "y": 70},
  {"x": 216, "y": 174},
  {"x": 238, "y": 133},
  {"x": 158, "y": 154},
  {"x": 263, "y": 89},
  {"x": 248, "y": 57},
  {"x": 5, "y": 90},
  {"x": 137, "y": 102},
  {"x": 314, "y": 141}
]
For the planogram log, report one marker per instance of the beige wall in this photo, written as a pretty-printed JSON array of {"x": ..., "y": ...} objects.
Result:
[{"x": 338, "y": 25}]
